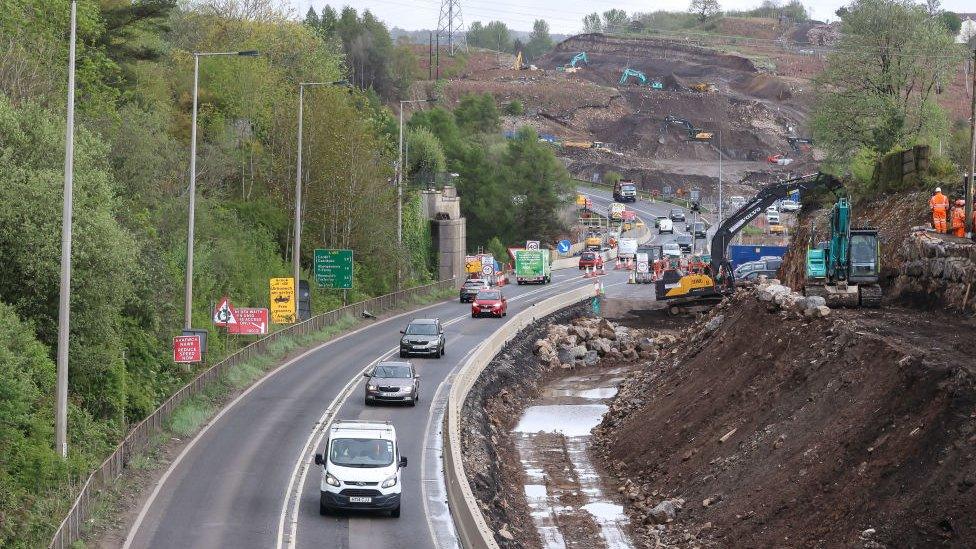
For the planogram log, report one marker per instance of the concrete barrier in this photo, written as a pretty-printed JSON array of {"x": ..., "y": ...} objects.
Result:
[{"x": 472, "y": 528}]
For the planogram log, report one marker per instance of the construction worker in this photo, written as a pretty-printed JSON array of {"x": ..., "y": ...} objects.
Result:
[
  {"x": 939, "y": 204},
  {"x": 959, "y": 219}
]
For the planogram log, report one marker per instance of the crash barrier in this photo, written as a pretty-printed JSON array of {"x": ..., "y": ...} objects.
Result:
[
  {"x": 472, "y": 528},
  {"x": 70, "y": 529}
]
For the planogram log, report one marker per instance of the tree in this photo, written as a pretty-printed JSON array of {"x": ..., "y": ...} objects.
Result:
[
  {"x": 477, "y": 114},
  {"x": 704, "y": 9},
  {"x": 515, "y": 108},
  {"x": 539, "y": 40},
  {"x": 950, "y": 21},
  {"x": 615, "y": 21},
  {"x": 494, "y": 36},
  {"x": 312, "y": 18},
  {"x": 426, "y": 156},
  {"x": 877, "y": 90},
  {"x": 592, "y": 23}
]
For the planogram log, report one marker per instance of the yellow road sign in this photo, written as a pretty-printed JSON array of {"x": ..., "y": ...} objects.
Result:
[{"x": 282, "y": 302}]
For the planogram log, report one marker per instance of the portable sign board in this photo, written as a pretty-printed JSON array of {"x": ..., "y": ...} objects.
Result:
[
  {"x": 282, "y": 300},
  {"x": 531, "y": 244},
  {"x": 186, "y": 349},
  {"x": 224, "y": 314},
  {"x": 250, "y": 321}
]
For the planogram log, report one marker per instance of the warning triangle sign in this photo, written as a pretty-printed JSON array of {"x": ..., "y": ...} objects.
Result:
[{"x": 224, "y": 314}]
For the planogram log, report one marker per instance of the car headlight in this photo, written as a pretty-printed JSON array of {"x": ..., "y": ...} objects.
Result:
[
  {"x": 408, "y": 389},
  {"x": 371, "y": 387},
  {"x": 390, "y": 482},
  {"x": 331, "y": 480}
]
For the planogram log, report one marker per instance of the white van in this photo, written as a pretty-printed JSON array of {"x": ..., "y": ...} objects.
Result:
[
  {"x": 361, "y": 468},
  {"x": 665, "y": 225}
]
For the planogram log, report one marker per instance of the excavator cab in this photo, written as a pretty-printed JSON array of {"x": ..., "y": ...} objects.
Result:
[{"x": 864, "y": 254}]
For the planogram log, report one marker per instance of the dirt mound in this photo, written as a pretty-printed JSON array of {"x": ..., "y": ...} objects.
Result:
[
  {"x": 764, "y": 86},
  {"x": 778, "y": 431}
]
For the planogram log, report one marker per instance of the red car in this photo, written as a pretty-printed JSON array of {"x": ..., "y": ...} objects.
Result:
[
  {"x": 590, "y": 259},
  {"x": 489, "y": 302}
]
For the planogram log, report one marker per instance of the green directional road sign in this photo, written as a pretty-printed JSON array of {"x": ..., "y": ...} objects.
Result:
[{"x": 333, "y": 269}]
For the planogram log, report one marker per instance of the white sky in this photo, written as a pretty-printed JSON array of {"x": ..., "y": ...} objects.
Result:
[{"x": 564, "y": 16}]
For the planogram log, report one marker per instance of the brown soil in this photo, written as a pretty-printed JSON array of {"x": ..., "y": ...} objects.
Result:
[{"x": 863, "y": 420}]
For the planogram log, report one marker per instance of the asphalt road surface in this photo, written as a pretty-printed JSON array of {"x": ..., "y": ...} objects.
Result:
[{"x": 237, "y": 483}]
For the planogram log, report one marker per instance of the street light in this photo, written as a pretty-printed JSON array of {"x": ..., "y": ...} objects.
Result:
[
  {"x": 64, "y": 297},
  {"x": 188, "y": 296},
  {"x": 296, "y": 252}
]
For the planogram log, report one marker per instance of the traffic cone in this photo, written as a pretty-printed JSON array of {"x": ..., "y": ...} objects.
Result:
[
  {"x": 632, "y": 278},
  {"x": 589, "y": 273},
  {"x": 618, "y": 265}
]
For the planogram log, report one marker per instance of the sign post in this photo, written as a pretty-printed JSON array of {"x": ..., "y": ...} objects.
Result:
[
  {"x": 186, "y": 349},
  {"x": 333, "y": 269},
  {"x": 282, "y": 300}
]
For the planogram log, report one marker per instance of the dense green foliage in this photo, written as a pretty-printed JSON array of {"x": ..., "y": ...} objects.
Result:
[
  {"x": 133, "y": 121},
  {"x": 511, "y": 190},
  {"x": 877, "y": 93}
]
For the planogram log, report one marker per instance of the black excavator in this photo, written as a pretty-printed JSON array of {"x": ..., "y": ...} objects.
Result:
[
  {"x": 692, "y": 290},
  {"x": 695, "y": 134}
]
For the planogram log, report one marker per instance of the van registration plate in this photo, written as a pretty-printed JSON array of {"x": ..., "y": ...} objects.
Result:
[{"x": 354, "y": 499}]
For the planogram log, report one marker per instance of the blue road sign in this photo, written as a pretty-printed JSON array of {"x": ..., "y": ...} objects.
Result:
[{"x": 563, "y": 246}]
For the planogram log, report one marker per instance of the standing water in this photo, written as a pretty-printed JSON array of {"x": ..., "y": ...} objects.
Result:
[{"x": 564, "y": 492}]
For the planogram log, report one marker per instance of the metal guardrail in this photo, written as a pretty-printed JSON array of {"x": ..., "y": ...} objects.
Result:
[
  {"x": 469, "y": 521},
  {"x": 138, "y": 438}
]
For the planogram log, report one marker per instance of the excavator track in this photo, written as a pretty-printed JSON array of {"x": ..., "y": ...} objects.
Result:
[
  {"x": 811, "y": 290},
  {"x": 870, "y": 296}
]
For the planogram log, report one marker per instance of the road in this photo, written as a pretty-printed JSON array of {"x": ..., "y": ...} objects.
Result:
[{"x": 233, "y": 484}]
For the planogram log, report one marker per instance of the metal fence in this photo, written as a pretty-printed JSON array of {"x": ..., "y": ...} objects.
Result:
[{"x": 139, "y": 437}]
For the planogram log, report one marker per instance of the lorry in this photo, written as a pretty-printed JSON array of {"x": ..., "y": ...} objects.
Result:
[
  {"x": 627, "y": 248},
  {"x": 616, "y": 211},
  {"x": 364, "y": 454},
  {"x": 625, "y": 190},
  {"x": 532, "y": 266}
]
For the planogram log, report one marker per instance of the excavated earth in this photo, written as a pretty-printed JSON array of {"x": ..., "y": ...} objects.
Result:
[{"x": 762, "y": 427}]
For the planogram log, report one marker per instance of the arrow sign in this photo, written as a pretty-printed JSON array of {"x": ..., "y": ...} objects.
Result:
[
  {"x": 563, "y": 246},
  {"x": 224, "y": 313}
]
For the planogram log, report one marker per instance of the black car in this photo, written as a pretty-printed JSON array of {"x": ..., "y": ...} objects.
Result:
[
  {"x": 470, "y": 288},
  {"x": 423, "y": 336},
  {"x": 392, "y": 381},
  {"x": 685, "y": 242},
  {"x": 699, "y": 230},
  {"x": 677, "y": 214}
]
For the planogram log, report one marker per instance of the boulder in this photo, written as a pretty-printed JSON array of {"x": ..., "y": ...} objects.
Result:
[
  {"x": 714, "y": 323},
  {"x": 566, "y": 355},
  {"x": 770, "y": 291},
  {"x": 578, "y": 351},
  {"x": 810, "y": 302},
  {"x": 630, "y": 354},
  {"x": 646, "y": 344},
  {"x": 665, "y": 511},
  {"x": 591, "y": 358}
]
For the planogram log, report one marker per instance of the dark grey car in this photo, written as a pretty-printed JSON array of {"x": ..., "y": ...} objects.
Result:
[
  {"x": 392, "y": 381},
  {"x": 423, "y": 336}
]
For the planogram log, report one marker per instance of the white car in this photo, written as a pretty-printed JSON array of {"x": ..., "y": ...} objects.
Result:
[
  {"x": 773, "y": 209},
  {"x": 671, "y": 249},
  {"x": 789, "y": 206},
  {"x": 665, "y": 225},
  {"x": 361, "y": 468},
  {"x": 772, "y": 218}
]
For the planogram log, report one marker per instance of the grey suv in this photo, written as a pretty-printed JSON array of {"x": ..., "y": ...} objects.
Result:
[
  {"x": 392, "y": 381},
  {"x": 423, "y": 336}
]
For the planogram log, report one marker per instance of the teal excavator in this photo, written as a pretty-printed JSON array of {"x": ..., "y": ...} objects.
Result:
[
  {"x": 845, "y": 269},
  {"x": 579, "y": 58},
  {"x": 641, "y": 79}
]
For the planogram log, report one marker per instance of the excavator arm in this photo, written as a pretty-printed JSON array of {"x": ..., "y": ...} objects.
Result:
[{"x": 765, "y": 198}]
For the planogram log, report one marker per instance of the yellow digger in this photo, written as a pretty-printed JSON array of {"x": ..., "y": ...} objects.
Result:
[{"x": 704, "y": 87}]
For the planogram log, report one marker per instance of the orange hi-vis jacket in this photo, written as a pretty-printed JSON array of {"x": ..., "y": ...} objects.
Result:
[{"x": 939, "y": 203}]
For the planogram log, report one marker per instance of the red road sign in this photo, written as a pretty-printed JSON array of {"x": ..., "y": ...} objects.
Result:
[
  {"x": 224, "y": 314},
  {"x": 186, "y": 349},
  {"x": 250, "y": 321},
  {"x": 628, "y": 215}
]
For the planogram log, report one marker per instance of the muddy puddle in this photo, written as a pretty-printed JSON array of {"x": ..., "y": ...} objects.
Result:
[{"x": 569, "y": 504}]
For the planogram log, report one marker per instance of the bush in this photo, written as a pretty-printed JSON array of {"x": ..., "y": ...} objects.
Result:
[
  {"x": 515, "y": 108},
  {"x": 612, "y": 177}
]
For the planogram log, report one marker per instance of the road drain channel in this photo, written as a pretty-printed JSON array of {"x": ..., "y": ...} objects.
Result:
[{"x": 565, "y": 494}]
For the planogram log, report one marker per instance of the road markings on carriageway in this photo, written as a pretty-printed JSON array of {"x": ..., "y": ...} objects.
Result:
[{"x": 302, "y": 467}]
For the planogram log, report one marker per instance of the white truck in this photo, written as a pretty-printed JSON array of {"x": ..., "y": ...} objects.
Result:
[{"x": 361, "y": 468}]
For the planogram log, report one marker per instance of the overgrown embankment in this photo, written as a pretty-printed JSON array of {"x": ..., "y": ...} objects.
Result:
[{"x": 761, "y": 427}]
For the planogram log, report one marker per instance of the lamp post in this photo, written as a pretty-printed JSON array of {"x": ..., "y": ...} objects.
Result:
[
  {"x": 188, "y": 295},
  {"x": 296, "y": 252},
  {"x": 64, "y": 297}
]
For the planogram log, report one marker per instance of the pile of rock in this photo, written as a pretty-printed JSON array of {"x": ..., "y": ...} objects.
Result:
[
  {"x": 586, "y": 341},
  {"x": 935, "y": 266},
  {"x": 785, "y": 299}
]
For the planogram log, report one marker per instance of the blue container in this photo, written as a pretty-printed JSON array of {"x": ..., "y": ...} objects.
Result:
[{"x": 742, "y": 253}]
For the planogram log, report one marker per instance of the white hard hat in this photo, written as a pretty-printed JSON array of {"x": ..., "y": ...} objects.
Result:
[{"x": 938, "y": 189}]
